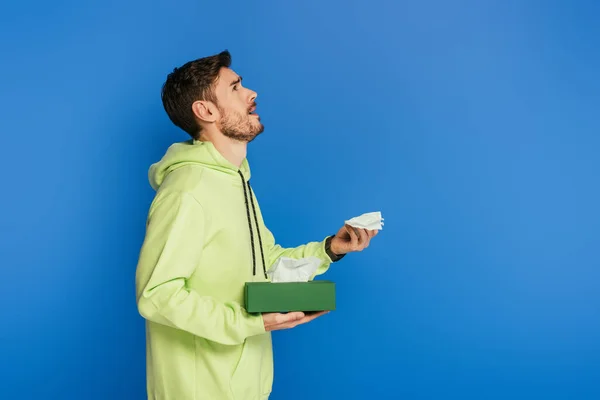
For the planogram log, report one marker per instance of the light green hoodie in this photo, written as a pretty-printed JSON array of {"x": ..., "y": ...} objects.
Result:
[{"x": 194, "y": 261}]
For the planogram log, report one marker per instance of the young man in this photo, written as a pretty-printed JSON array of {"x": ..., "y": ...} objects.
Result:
[{"x": 205, "y": 238}]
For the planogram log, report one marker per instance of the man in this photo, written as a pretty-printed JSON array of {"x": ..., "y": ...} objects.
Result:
[{"x": 205, "y": 237}]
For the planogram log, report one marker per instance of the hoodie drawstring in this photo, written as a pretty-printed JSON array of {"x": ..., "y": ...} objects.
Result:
[{"x": 250, "y": 227}]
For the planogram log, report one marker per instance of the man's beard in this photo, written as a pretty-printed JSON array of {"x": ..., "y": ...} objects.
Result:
[{"x": 239, "y": 127}]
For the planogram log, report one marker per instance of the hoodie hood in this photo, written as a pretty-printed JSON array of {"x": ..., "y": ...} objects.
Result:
[{"x": 194, "y": 152}]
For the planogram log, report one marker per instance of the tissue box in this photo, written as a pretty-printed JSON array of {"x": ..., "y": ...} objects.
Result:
[{"x": 263, "y": 297}]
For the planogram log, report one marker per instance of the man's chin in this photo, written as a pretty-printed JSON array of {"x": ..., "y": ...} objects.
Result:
[
  {"x": 251, "y": 138},
  {"x": 251, "y": 132},
  {"x": 261, "y": 129},
  {"x": 244, "y": 138}
]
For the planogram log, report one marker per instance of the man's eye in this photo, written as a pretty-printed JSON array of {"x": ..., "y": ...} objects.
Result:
[{"x": 235, "y": 87}]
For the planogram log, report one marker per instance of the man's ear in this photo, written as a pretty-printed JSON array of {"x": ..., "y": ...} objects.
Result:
[{"x": 205, "y": 111}]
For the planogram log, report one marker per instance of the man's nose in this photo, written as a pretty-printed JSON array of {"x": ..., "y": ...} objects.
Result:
[{"x": 253, "y": 96}]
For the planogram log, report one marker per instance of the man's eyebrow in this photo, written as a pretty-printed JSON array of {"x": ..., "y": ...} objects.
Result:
[{"x": 238, "y": 80}]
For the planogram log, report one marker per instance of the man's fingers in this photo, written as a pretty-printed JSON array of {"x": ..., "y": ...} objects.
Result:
[
  {"x": 317, "y": 315},
  {"x": 311, "y": 317},
  {"x": 308, "y": 318},
  {"x": 289, "y": 317},
  {"x": 295, "y": 322},
  {"x": 272, "y": 319},
  {"x": 355, "y": 239},
  {"x": 364, "y": 238},
  {"x": 287, "y": 325},
  {"x": 353, "y": 236},
  {"x": 359, "y": 238}
]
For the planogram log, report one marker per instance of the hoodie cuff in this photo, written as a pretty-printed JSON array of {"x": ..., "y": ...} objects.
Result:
[{"x": 334, "y": 257}]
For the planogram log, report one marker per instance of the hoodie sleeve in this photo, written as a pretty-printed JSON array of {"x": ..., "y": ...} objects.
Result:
[
  {"x": 171, "y": 250},
  {"x": 312, "y": 249}
]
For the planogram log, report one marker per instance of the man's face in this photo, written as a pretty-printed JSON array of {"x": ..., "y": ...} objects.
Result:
[{"x": 236, "y": 105}]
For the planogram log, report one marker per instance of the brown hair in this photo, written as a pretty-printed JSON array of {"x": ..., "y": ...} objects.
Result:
[{"x": 191, "y": 82}]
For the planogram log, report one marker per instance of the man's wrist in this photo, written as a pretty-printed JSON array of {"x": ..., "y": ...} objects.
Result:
[{"x": 334, "y": 257}]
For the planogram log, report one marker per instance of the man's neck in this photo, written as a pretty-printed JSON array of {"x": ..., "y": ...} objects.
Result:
[{"x": 234, "y": 151}]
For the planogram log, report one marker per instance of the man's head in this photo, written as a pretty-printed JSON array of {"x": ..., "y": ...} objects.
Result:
[{"x": 205, "y": 96}]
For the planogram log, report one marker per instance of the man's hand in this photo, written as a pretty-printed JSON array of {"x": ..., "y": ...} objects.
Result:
[
  {"x": 276, "y": 321},
  {"x": 349, "y": 239}
]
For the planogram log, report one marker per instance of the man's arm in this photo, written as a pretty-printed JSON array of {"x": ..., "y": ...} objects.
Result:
[
  {"x": 331, "y": 249},
  {"x": 319, "y": 249},
  {"x": 172, "y": 248}
]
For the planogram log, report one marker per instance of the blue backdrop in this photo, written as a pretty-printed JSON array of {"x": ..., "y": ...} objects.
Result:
[{"x": 472, "y": 125}]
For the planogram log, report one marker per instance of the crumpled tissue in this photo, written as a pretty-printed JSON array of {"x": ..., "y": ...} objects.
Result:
[
  {"x": 371, "y": 221},
  {"x": 288, "y": 269}
]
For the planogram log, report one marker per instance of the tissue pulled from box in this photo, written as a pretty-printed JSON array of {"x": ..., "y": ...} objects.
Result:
[
  {"x": 371, "y": 221},
  {"x": 288, "y": 269}
]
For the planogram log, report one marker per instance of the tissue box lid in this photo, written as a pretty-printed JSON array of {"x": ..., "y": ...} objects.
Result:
[{"x": 262, "y": 297}]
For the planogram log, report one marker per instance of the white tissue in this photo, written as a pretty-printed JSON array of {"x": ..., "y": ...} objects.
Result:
[
  {"x": 371, "y": 221},
  {"x": 288, "y": 269}
]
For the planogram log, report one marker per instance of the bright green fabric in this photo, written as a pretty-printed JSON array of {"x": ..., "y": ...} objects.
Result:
[{"x": 194, "y": 261}]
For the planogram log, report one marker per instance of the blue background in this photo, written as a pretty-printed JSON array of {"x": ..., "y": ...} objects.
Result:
[{"x": 472, "y": 125}]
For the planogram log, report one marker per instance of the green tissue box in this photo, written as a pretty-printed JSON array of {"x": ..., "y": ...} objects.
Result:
[{"x": 263, "y": 297}]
